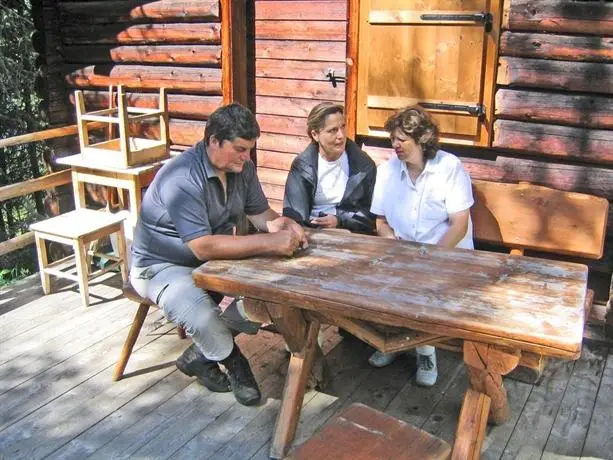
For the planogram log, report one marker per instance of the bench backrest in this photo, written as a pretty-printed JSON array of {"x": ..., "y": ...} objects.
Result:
[{"x": 525, "y": 216}]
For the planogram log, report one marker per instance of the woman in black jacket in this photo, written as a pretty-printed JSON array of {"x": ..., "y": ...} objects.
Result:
[{"x": 330, "y": 184}]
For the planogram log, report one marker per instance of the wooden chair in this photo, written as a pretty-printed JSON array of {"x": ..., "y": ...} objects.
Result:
[
  {"x": 361, "y": 432},
  {"x": 78, "y": 229},
  {"x": 137, "y": 324}
]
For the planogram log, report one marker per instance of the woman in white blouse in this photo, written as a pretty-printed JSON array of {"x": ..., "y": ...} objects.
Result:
[{"x": 421, "y": 194}]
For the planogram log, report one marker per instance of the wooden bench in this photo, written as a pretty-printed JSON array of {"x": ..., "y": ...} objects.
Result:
[
  {"x": 523, "y": 217},
  {"x": 361, "y": 432}
]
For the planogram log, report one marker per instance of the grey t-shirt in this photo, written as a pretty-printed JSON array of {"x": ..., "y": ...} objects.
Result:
[{"x": 186, "y": 201}]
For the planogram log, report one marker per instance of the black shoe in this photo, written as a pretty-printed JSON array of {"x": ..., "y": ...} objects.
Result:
[
  {"x": 193, "y": 363},
  {"x": 243, "y": 382}
]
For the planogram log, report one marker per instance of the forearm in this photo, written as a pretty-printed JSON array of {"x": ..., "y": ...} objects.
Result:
[
  {"x": 260, "y": 221},
  {"x": 453, "y": 235},
  {"x": 231, "y": 247},
  {"x": 384, "y": 229}
]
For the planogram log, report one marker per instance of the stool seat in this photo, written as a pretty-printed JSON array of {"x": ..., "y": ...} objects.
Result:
[
  {"x": 78, "y": 229},
  {"x": 78, "y": 223},
  {"x": 361, "y": 433}
]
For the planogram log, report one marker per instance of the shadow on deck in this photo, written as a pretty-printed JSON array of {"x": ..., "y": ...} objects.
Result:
[{"x": 57, "y": 399}]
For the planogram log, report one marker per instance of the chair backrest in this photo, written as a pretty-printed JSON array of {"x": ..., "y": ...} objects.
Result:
[{"x": 526, "y": 216}]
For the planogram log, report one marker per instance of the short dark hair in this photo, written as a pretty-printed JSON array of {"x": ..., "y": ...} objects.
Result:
[
  {"x": 415, "y": 122},
  {"x": 231, "y": 121},
  {"x": 318, "y": 114}
]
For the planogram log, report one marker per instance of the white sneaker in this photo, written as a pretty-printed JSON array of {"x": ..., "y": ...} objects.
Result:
[
  {"x": 426, "y": 369},
  {"x": 381, "y": 359}
]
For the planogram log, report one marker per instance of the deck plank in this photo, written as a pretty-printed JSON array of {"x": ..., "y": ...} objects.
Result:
[
  {"x": 599, "y": 440},
  {"x": 570, "y": 428},
  {"x": 538, "y": 415},
  {"x": 56, "y": 423}
]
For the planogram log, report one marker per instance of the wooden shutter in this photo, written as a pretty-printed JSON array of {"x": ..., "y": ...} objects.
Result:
[{"x": 438, "y": 53}]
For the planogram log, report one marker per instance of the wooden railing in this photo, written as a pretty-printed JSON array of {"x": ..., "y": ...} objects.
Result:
[{"x": 40, "y": 183}]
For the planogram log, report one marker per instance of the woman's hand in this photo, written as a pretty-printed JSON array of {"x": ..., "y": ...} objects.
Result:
[{"x": 326, "y": 221}]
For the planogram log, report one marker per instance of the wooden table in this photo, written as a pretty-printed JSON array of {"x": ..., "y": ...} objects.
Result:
[
  {"x": 499, "y": 304},
  {"x": 131, "y": 179}
]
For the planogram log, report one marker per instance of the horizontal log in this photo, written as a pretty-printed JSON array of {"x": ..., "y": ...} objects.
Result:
[
  {"x": 208, "y": 55},
  {"x": 300, "y": 70},
  {"x": 197, "y": 80},
  {"x": 140, "y": 34},
  {"x": 301, "y": 10},
  {"x": 272, "y": 176},
  {"x": 273, "y": 192},
  {"x": 128, "y": 11},
  {"x": 179, "y": 105},
  {"x": 307, "y": 51},
  {"x": 559, "y": 141},
  {"x": 559, "y": 16},
  {"x": 283, "y": 142},
  {"x": 301, "y": 30},
  {"x": 498, "y": 168},
  {"x": 289, "y": 106},
  {"x": 274, "y": 160},
  {"x": 562, "y": 47},
  {"x": 18, "y": 242},
  {"x": 580, "y": 110},
  {"x": 571, "y": 76},
  {"x": 35, "y": 185},
  {"x": 282, "y": 125},
  {"x": 182, "y": 132},
  {"x": 282, "y": 87}
]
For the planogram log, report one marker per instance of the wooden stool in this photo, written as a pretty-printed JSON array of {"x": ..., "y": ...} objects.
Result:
[
  {"x": 78, "y": 229},
  {"x": 361, "y": 432},
  {"x": 143, "y": 308},
  {"x": 126, "y": 150}
]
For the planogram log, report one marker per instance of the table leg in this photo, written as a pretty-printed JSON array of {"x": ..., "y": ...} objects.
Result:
[
  {"x": 135, "y": 200},
  {"x": 486, "y": 365},
  {"x": 300, "y": 365}
]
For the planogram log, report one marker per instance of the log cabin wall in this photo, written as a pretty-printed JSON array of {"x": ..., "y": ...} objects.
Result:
[
  {"x": 296, "y": 43},
  {"x": 142, "y": 45}
]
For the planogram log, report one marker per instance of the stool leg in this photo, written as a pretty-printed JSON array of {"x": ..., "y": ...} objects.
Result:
[
  {"x": 181, "y": 332},
  {"x": 123, "y": 254},
  {"x": 126, "y": 351},
  {"x": 43, "y": 261},
  {"x": 80, "y": 253}
]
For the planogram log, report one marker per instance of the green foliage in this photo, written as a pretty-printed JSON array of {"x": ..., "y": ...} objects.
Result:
[{"x": 19, "y": 114}]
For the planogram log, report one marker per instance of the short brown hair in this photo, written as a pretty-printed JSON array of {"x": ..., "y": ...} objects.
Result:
[
  {"x": 318, "y": 114},
  {"x": 415, "y": 122}
]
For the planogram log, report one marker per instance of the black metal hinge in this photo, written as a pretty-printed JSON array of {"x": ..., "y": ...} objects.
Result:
[
  {"x": 477, "y": 110},
  {"x": 334, "y": 79},
  {"x": 483, "y": 18}
]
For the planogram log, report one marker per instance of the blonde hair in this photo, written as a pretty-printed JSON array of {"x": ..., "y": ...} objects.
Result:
[
  {"x": 318, "y": 114},
  {"x": 415, "y": 122}
]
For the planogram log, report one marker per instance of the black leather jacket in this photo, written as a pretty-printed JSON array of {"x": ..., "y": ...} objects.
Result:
[{"x": 353, "y": 212}]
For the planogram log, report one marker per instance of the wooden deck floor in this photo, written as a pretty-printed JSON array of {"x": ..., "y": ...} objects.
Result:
[{"x": 57, "y": 399}]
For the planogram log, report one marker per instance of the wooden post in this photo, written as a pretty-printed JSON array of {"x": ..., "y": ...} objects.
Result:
[
  {"x": 234, "y": 51},
  {"x": 81, "y": 124},
  {"x": 351, "y": 68}
]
